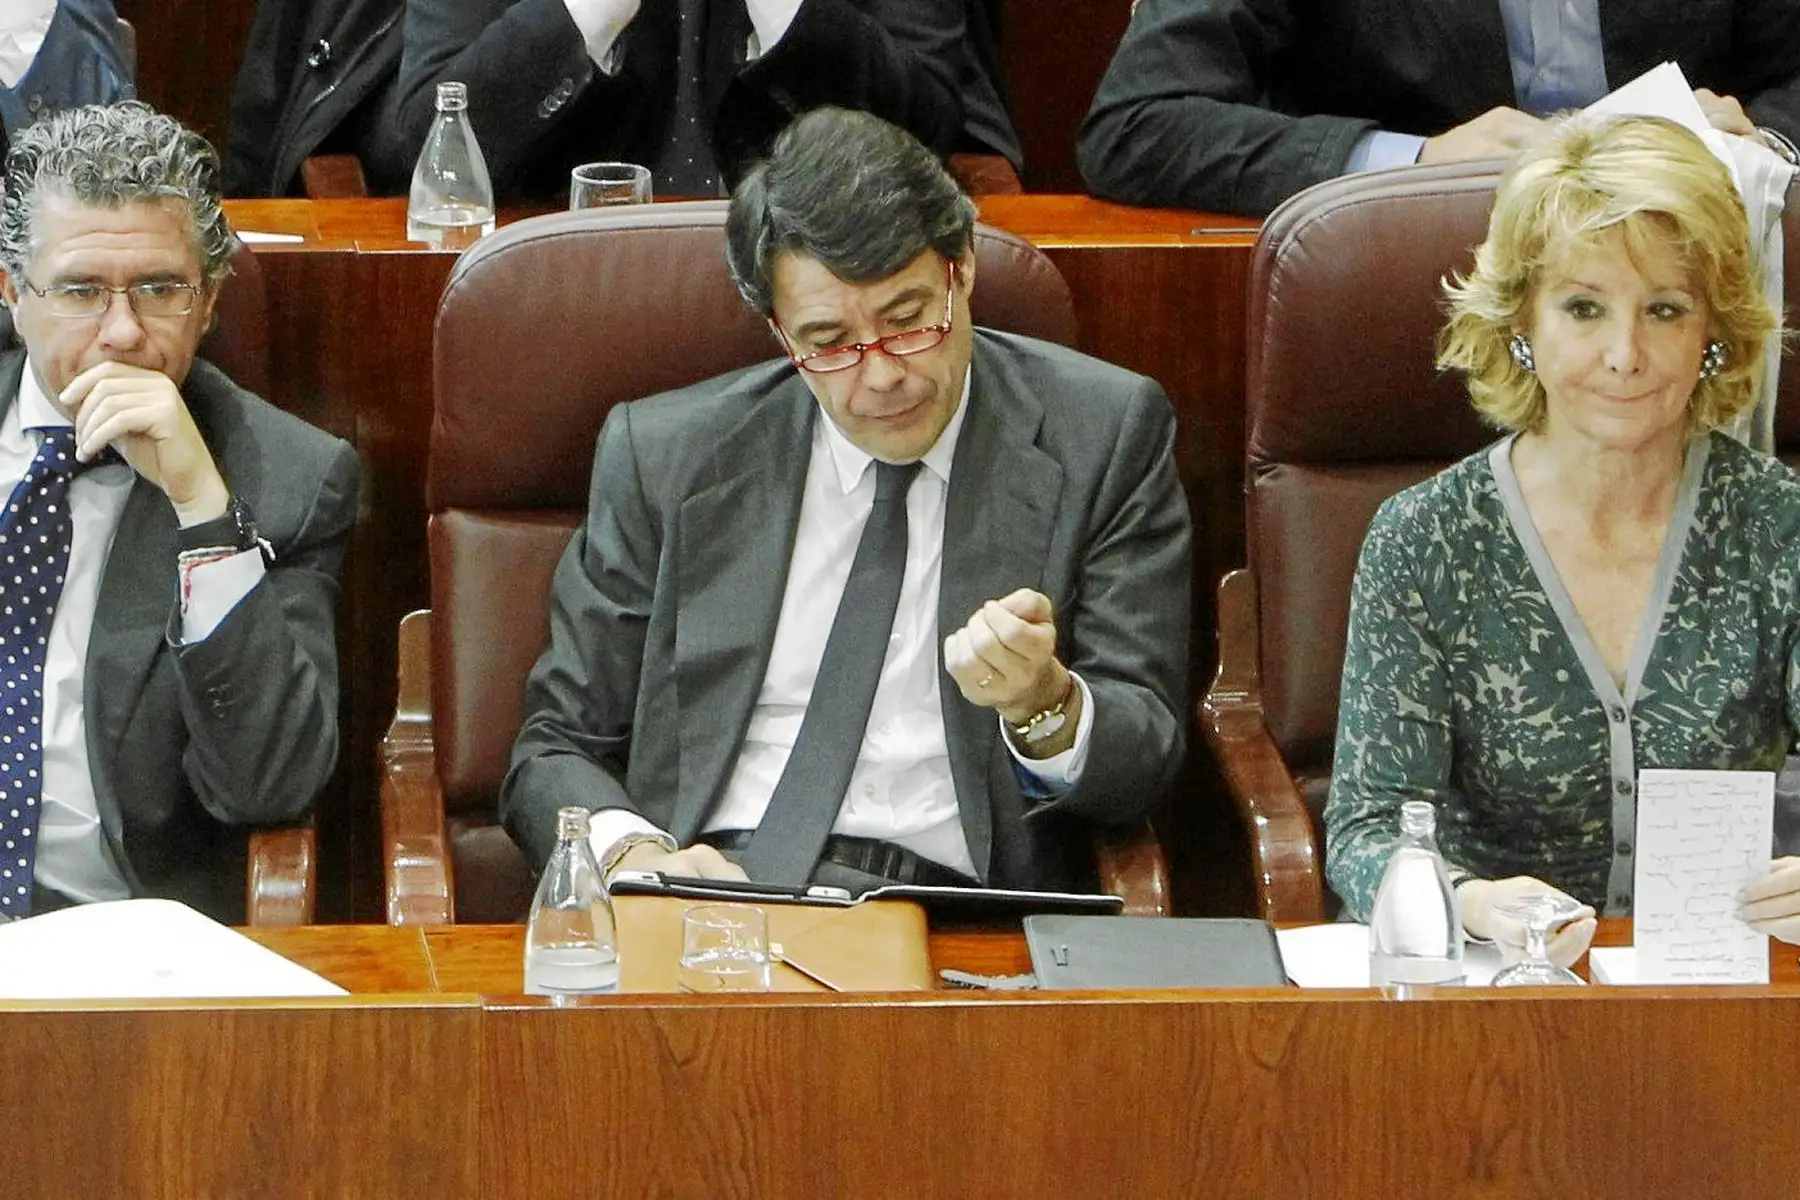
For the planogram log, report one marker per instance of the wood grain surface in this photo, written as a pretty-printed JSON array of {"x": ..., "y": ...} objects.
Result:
[{"x": 1591, "y": 1092}]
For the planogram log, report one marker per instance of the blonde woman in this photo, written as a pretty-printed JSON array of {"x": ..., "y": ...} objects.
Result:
[{"x": 1613, "y": 585}]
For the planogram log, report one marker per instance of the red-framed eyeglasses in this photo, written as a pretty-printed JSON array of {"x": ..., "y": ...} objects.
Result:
[{"x": 907, "y": 341}]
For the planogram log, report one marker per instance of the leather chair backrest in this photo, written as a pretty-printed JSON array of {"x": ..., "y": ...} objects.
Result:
[
  {"x": 542, "y": 328},
  {"x": 1344, "y": 407}
]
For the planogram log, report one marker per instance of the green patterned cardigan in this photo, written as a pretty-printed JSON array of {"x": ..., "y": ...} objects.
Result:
[{"x": 1470, "y": 681}]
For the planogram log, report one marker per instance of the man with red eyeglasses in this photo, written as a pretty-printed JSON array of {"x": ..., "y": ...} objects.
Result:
[{"x": 909, "y": 604}]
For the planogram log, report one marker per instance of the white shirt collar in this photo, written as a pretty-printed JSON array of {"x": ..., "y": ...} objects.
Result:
[
  {"x": 851, "y": 460},
  {"x": 24, "y": 24},
  {"x": 35, "y": 409}
]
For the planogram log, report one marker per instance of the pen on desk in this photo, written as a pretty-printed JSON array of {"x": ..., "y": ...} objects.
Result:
[
  {"x": 775, "y": 955},
  {"x": 1212, "y": 230}
]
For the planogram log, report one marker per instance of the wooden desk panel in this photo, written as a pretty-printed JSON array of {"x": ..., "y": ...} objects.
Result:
[
  {"x": 1252, "y": 1095},
  {"x": 241, "y": 1099},
  {"x": 352, "y": 311},
  {"x": 1590, "y": 1092}
]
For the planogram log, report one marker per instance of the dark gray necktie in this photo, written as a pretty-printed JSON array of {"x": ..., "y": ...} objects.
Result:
[{"x": 806, "y": 801}]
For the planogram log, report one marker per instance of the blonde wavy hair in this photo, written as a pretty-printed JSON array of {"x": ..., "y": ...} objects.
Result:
[{"x": 1582, "y": 177}]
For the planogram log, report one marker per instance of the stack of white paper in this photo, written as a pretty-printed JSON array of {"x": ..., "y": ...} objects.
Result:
[
  {"x": 142, "y": 949},
  {"x": 1337, "y": 956}
]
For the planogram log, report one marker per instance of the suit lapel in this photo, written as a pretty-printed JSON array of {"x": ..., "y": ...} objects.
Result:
[
  {"x": 736, "y": 537},
  {"x": 131, "y": 616},
  {"x": 997, "y": 524}
]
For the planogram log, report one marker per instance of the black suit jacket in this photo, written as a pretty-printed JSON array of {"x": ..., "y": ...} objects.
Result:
[
  {"x": 540, "y": 106},
  {"x": 664, "y": 607},
  {"x": 192, "y": 746},
  {"x": 316, "y": 78},
  {"x": 1235, "y": 105}
]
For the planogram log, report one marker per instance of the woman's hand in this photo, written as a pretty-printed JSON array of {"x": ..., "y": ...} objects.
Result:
[
  {"x": 1477, "y": 899},
  {"x": 1771, "y": 905}
]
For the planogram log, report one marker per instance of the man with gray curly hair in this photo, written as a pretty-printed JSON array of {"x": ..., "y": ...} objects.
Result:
[{"x": 168, "y": 557}]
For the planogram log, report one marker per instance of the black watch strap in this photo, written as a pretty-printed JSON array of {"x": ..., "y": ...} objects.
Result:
[{"x": 236, "y": 530}]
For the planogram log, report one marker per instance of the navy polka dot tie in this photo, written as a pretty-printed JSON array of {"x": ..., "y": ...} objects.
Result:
[{"x": 34, "y": 556}]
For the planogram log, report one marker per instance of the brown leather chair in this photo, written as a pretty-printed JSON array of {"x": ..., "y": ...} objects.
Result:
[
  {"x": 1343, "y": 409},
  {"x": 542, "y": 328}
]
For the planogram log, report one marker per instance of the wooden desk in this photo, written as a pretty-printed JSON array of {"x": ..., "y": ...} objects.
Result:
[
  {"x": 351, "y": 311},
  {"x": 1589, "y": 1092}
]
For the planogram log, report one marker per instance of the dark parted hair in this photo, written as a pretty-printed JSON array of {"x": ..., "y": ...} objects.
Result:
[
  {"x": 861, "y": 196},
  {"x": 107, "y": 156}
]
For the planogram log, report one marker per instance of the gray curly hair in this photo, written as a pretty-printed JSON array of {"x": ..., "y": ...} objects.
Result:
[{"x": 108, "y": 155}]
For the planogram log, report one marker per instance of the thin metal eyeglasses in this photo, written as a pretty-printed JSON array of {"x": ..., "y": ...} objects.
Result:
[
  {"x": 899, "y": 345},
  {"x": 153, "y": 298}
]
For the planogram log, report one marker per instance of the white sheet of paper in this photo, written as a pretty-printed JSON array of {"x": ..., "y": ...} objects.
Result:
[
  {"x": 142, "y": 949},
  {"x": 251, "y": 237},
  {"x": 1701, "y": 835},
  {"x": 1337, "y": 956},
  {"x": 1664, "y": 91}
]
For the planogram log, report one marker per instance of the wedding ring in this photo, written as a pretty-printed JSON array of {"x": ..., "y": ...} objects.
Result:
[{"x": 984, "y": 681}]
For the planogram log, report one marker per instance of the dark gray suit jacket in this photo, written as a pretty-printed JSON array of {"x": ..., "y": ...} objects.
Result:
[
  {"x": 540, "y": 106},
  {"x": 664, "y": 606},
  {"x": 191, "y": 746},
  {"x": 1235, "y": 105}
]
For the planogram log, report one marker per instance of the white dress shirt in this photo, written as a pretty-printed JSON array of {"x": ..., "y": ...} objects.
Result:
[
  {"x": 901, "y": 789},
  {"x": 23, "y": 27},
  {"x": 72, "y": 854},
  {"x": 602, "y": 22}
]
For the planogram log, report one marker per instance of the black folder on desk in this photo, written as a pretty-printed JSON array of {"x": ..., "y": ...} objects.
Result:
[
  {"x": 1153, "y": 952},
  {"x": 957, "y": 902}
]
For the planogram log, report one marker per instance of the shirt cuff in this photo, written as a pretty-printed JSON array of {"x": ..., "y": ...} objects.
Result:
[
  {"x": 601, "y": 23},
  {"x": 769, "y": 21},
  {"x": 212, "y": 583},
  {"x": 1378, "y": 149},
  {"x": 1059, "y": 772},
  {"x": 609, "y": 825}
]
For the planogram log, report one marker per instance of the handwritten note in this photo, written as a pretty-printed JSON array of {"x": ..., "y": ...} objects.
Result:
[{"x": 1701, "y": 835}]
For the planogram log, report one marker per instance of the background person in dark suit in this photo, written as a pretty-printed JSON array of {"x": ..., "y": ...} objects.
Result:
[
  {"x": 56, "y": 55},
  {"x": 1031, "y": 672},
  {"x": 186, "y": 689},
  {"x": 693, "y": 89},
  {"x": 316, "y": 78},
  {"x": 1235, "y": 105}
]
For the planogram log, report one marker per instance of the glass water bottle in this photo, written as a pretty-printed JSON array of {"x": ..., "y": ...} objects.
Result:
[
  {"x": 570, "y": 947},
  {"x": 452, "y": 199},
  {"x": 1415, "y": 933}
]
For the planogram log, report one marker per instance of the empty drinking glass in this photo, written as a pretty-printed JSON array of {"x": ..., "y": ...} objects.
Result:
[
  {"x": 724, "y": 948},
  {"x": 1540, "y": 912},
  {"x": 595, "y": 185}
]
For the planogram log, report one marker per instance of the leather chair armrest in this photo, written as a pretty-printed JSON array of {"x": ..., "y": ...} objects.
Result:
[
  {"x": 985, "y": 174},
  {"x": 333, "y": 177},
  {"x": 1284, "y": 848},
  {"x": 1132, "y": 864},
  {"x": 282, "y": 885},
  {"x": 415, "y": 847}
]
